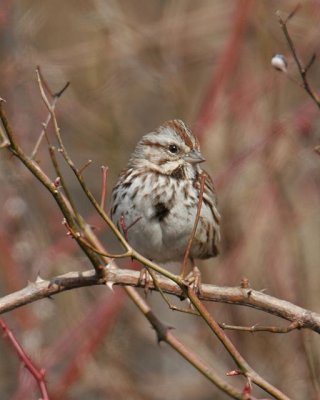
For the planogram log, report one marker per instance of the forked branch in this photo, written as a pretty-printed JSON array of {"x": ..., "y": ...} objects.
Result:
[{"x": 302, "y": 69}]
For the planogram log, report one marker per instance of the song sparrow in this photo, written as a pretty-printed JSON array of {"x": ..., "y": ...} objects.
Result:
[{"x": 158, "y": 193}]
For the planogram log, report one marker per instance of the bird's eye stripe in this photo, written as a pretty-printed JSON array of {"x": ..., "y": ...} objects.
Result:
[{"x": 152, "y": 144}]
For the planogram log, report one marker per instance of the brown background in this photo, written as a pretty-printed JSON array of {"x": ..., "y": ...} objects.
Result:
[{"x": 132, "y": 65}]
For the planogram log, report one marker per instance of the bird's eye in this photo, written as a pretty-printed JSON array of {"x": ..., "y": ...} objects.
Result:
[{"x": 173, "y": 148}]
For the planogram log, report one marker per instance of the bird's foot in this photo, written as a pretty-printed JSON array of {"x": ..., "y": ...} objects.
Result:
[
  {"x": 145, "y": 280},
  {"x": 193, "y": 279}
]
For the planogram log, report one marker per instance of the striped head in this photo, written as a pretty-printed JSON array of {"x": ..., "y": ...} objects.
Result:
[{"x": 170, "y": 150}]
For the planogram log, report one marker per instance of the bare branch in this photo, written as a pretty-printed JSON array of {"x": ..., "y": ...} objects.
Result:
[
  {"x": 260, "y": 328},
  {"x": 34, "y": 168},
  {"x": 293, "y": 12},
  {"x": 165, "y": 334},
  {"x": 43, "y": 131},
  {"x": 311, "y": 61},
  {"x": 86, "y": 165},
  {"x": 302, "y": 70},
  {"x": 42, "y": 288},
  {"x": 4, "y": 142},
  {"x": 243, "y": 365},
  {"x": 55, "y": 97}
]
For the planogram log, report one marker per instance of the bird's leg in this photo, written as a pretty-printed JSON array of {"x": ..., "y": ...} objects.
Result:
[
  {"x": 145, "y": 279},
  {"x": 193, "y": 279}
]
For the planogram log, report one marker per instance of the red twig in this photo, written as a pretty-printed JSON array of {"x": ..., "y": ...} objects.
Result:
[
  {"x": 35, "y": 372},
  {"x": 125, "y": 228},
  {"x": 187, "y": 253},
  {"x": 228, "y": 62},
  {"x": 103, "y": 317},
  {"x": 301, "y": 118},
  {"x": 104, "y": 170}
]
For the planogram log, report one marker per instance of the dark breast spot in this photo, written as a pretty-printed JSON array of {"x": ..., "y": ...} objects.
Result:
[
  {"x": 178, "y": 173},
  {"x": 161, "y": 211}
]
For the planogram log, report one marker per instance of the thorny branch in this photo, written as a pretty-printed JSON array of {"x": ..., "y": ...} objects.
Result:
[
  {"x": 165, "y": 334},
  {"x": 299, "y": 317},
  {"x": 242, "y": 364}
]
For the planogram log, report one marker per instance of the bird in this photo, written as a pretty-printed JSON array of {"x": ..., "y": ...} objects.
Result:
[{"x": 157, "y": 196}]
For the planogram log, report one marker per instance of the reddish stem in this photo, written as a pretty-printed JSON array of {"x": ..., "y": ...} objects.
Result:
[
  {"x": 35, "y": 372},
  {"x": 228, "y": 62},
  {"x": 104, "y": 186},
  {"x": 194, "y": 229},
  {"x": 103, "y": 319}
]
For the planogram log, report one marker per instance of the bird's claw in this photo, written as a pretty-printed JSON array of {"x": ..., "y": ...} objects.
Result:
[
  {"x": 193, "y": 280},
  {"x": 145, "y": 280}
]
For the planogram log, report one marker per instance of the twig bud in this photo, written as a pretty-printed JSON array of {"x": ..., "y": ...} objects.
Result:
[
  {"x": 279, "y": 62},
  {"x": 57, "y": 181}
]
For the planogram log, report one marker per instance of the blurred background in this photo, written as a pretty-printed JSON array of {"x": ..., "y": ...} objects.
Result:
[{"x": 133, "y": 65}]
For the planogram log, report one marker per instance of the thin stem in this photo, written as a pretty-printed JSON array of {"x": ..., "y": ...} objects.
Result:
[
  {"x": 85, "y": 166},
  {"x": 164, "y": 334},
  {"x": 55, "y": 97},
  {"x": 62, "y": 182},
  {"x": 229, "y": 346},
  {"x": 258, "y": 328},
  {"x": 77, "y": 235},
  {"x": 302, "y": 70},
  {"x": 4, "y": 141},
  {"x": 38, "y": 374},
  {"x": 202, "y": 180},
  {"x": 43, "y": 131},
  {"x": 104, "y": 186},
  {"x": 34, "y": 168}
]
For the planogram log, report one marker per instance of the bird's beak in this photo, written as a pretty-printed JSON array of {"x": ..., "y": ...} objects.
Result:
[{"x": 194, "y": 157}]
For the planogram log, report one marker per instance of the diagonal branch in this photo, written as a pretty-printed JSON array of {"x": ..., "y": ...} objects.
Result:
[
  {"x": 34, "y": 168},
  {"x": 165, "y": 334},
  {"x": 243, "y": 365},
  {"x": 38, "y": 374},
  {"x": 202, "y": 180}
]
